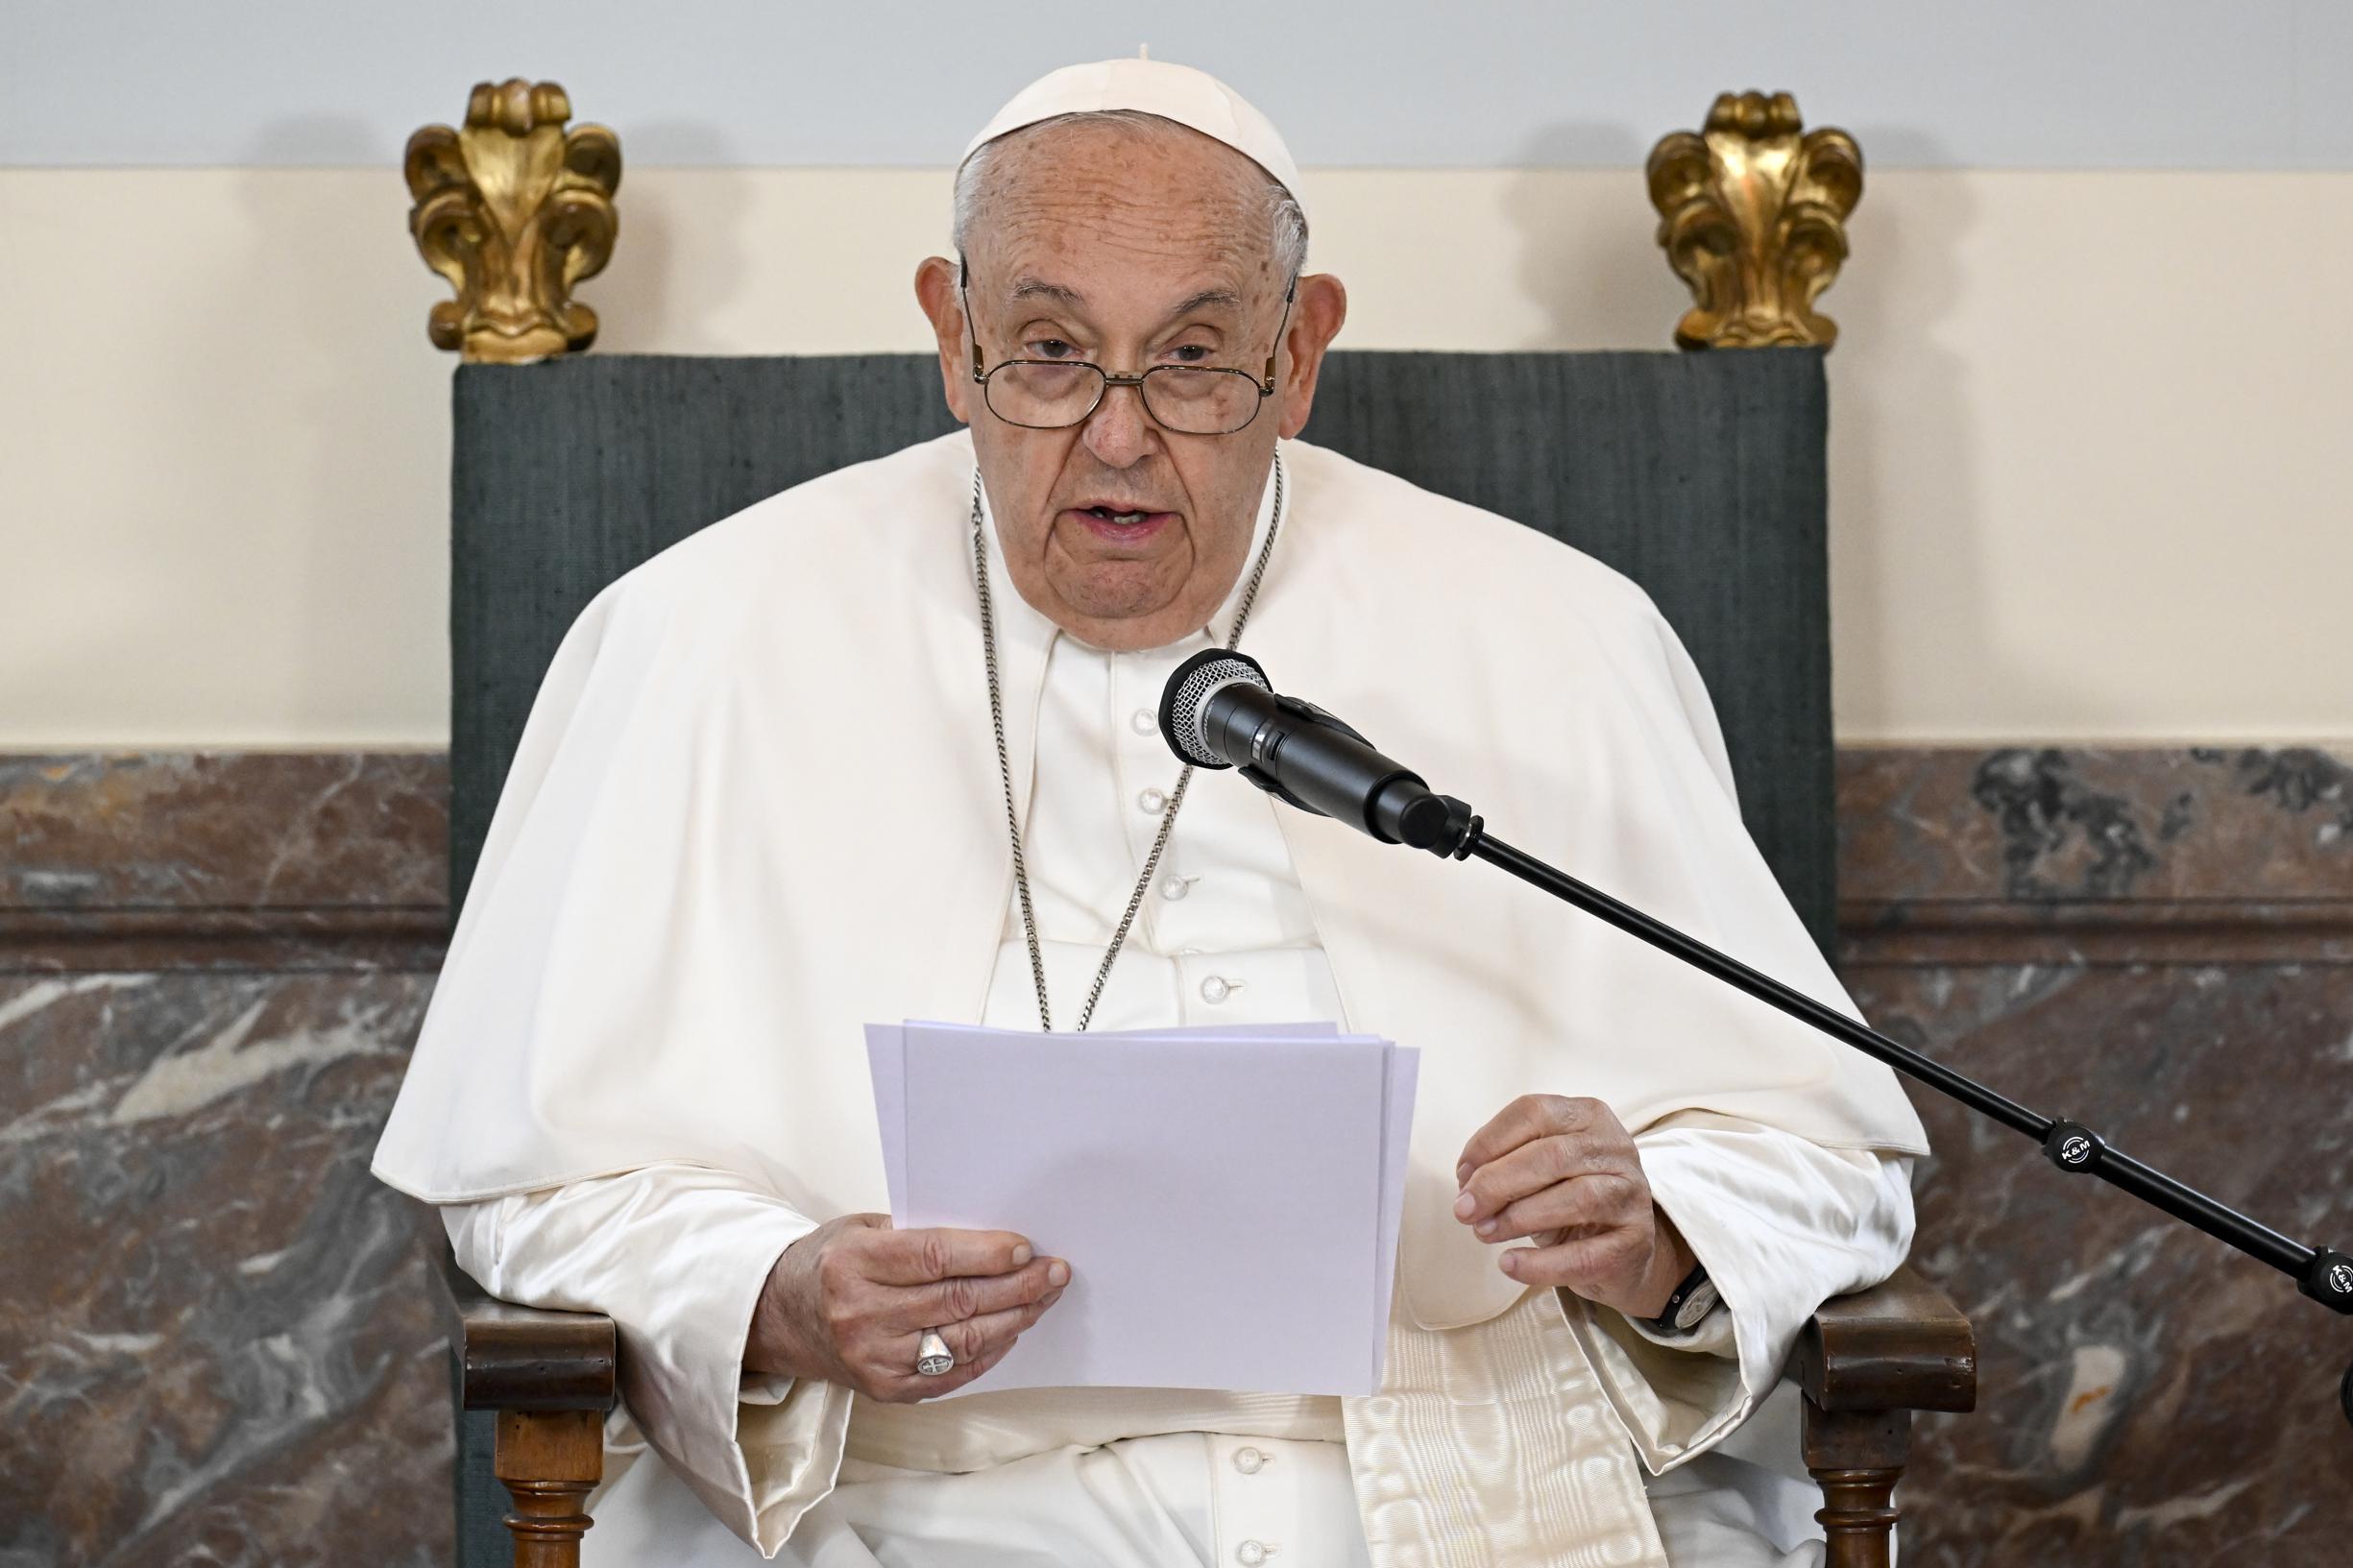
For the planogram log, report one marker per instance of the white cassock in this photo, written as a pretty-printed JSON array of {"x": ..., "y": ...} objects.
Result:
[{"x": 641, "y": 1078}]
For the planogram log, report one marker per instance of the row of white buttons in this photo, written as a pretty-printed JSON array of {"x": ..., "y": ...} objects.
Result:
[
  {"x": 1250, "y": 1461},
  {"x": 1213, "y": 990}
]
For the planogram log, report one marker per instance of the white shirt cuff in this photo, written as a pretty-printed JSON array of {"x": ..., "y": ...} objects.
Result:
[
  {"x": 677, "y": 1255},
  {"x": 1781, "y": 1224}
]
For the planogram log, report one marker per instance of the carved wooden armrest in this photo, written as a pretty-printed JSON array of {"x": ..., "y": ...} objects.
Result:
[
  {"x": 1866, "y": 1361},
  {"x": 550, "y": 1375}
]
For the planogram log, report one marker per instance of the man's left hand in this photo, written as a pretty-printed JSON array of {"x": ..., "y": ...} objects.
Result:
[{"x": 1565, "y": 1173}]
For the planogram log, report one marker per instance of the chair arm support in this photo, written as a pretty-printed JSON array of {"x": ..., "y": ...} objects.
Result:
[
  {"x": 551, "y": 1376},
  {"x": 1899, "y": 1345},
  {"x": 1866, "y": 1361},
  {"x": 514, "y": 1358}
]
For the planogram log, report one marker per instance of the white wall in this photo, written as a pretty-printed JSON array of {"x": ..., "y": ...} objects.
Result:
[
  {"x": 2087, "y": 432},
  {"x": 2088, "y": 412},
  {"x": 1366, "y": 84}
]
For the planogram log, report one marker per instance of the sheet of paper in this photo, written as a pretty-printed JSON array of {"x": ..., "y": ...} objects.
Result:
[
  {"x": 886, "y": 1061},
  {"x": 1402, "y": 1072},
  {"x": 1229, "y": 1198}
]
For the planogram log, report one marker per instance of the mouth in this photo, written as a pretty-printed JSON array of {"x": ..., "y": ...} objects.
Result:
[
  {"x": 1117, "y": 512},
  {"x": 1121, "y": 523}
]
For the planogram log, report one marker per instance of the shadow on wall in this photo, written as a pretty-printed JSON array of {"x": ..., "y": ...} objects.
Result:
[
  {"x": 1599, "y": 285},
  {"x": 355, "y": 476},
  {"x": 1896, "y": 386},
  {"x": 640, "y": 298}
]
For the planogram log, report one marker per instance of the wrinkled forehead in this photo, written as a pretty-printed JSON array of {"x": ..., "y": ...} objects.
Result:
[{"x": 1088, "y": 209}]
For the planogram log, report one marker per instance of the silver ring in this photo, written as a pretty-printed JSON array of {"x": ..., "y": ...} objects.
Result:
[{"x": 932, "y": 1357}]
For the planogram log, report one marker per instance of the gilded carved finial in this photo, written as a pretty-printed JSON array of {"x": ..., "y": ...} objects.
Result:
[
  {"x": 1753, "y": 216},
  {"x": 514, "y": 210}
]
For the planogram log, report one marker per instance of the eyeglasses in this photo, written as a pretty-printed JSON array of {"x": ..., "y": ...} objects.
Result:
[{"x": 1056, "y": 393}]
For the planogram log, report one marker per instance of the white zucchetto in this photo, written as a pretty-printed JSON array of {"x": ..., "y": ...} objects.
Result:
[{"x": 1194, "y": 99}]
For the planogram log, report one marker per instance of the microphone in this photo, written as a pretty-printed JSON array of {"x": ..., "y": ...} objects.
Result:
[{"x": 1220, "y": 711}]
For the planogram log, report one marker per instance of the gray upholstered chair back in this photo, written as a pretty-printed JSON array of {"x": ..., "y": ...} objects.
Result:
[{"x": 1699, "y": 475}]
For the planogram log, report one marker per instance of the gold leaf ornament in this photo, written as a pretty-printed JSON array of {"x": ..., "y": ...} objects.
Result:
[
  {"x": 514, "y": 210},
  {"x": 1753, "y": 215}
]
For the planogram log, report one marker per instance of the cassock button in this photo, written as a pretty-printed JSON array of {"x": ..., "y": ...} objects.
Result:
[
  {"x": 1251, "y": 1461},
  {"x": 1151, "y": 802},
  {"x": 1143, "y": 721},
  {"x": 1215, "y": 989},
  {"x": 1250, "y": 1554},
  {"x": 1172, "y": 888}
]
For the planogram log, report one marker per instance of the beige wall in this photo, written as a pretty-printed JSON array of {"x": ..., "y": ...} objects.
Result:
[{"x": 2086, "y": 443}]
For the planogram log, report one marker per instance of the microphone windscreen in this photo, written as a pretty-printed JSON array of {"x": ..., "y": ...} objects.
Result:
[{"x": 1185, "y": 699}]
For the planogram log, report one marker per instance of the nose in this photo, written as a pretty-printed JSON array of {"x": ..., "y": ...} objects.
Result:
[{"x": 1119, "y": 432}]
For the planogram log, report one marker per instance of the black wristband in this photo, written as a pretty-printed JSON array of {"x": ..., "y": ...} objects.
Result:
[{"x": 1693, "y": 1301}]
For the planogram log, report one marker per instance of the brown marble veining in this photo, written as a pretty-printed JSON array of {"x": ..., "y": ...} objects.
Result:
[
  {"x": 228, "y": 831},
  {"x": 216, "y": 1337},
  {"x": 259, "y": 860},
  {"x": 2095, "y": 856},
  {"x": 217, "y": 1343},
  {"x": 1936, "y": 825},
  {"x": 2160, "y": 944},
  {"x": 217, "y": 1340},
  {"x": 2148, "y": 1395}
]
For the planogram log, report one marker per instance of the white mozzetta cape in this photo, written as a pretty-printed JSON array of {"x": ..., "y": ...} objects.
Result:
[{"x": 756, "y": 808}]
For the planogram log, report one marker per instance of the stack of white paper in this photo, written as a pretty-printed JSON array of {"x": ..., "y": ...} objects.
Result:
[{"x": 1228, "y": 1198}]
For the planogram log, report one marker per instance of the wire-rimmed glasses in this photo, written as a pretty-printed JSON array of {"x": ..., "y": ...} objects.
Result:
[{"x": 1187, "y": 399}]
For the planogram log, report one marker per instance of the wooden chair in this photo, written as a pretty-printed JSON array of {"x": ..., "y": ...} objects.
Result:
[
  {"x": 547, "y": 1378},
  {"x": 1699, "y": 475},
  {"x": 1865, "y": 1362}
]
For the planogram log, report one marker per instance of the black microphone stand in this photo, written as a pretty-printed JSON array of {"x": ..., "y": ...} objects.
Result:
[{"x": 1414, "y": 815}]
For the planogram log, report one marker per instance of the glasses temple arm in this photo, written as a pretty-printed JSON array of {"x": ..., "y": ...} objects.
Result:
[
  {"x": 1266, "y": 387},
  {"x": 964, "y": 303}
]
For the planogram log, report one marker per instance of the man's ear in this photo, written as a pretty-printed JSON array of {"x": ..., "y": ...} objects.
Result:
[
  {"x": 1315, "y": 316},
  {"x": 937, "y": 293}
]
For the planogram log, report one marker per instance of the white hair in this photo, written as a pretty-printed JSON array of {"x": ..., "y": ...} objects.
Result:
[{"x": 1286, "y": 221}]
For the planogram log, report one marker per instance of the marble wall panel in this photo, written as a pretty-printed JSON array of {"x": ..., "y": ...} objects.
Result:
[
  {"x": 2159, "y": 944},
  {"x": 218, "y": 1327},
  {"x": 216, "y": 1336},
  {"x": 1925, "y": 825},
  {"x": 231, "y": 831},
  {"x": 278, "y": 861}
]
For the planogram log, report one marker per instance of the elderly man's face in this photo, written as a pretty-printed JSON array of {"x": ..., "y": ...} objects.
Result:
[{"x": 1130, "y": 252}]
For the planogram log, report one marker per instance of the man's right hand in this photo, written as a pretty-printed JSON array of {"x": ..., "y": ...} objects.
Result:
[{"x": 849, "y": 1303}]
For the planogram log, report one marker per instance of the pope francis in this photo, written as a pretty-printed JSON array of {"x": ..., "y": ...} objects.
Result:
[{"x": 642, "y": 1087}]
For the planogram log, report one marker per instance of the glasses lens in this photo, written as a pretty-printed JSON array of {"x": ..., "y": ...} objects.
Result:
[
  {"x": 1201, "y": 402},
  {"x": 1043, "y": 394}
]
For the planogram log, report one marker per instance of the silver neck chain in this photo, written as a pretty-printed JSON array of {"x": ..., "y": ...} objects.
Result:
[{"x": 1005, "y": 767}]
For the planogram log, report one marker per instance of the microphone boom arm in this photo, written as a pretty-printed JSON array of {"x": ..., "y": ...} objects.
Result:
[
  {"x": 1220, "y": 710},
  {"x": 2324, "y": 1275}
]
